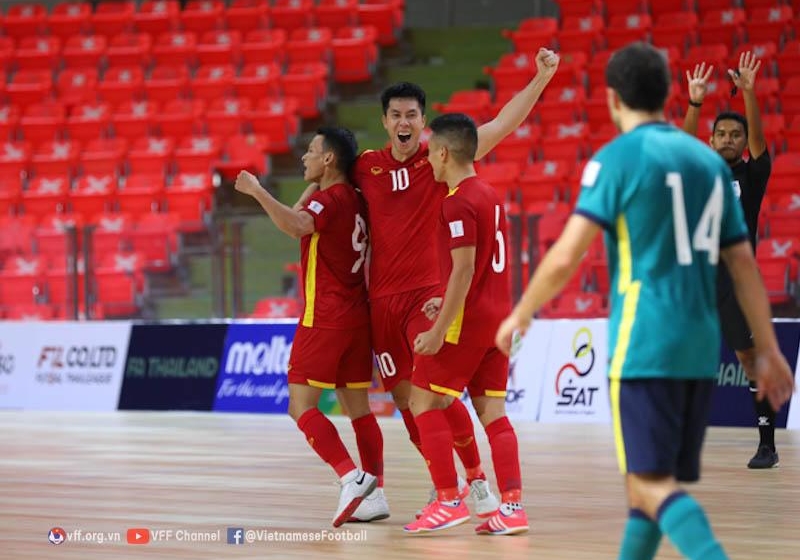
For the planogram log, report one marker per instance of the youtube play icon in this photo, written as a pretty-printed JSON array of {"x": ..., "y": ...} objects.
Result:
[{"x": 138, "y": 536}]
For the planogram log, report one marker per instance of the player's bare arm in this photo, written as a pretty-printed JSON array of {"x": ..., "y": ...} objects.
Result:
[
  {"x": 697, "y": 83},
  {"x": 290, "y": 221},
  {"x": 550, "y": 277},
  {"x": 773, "y": 376},
  {"x": 430, "y": 342},
  {"x": 514, "y": 113},
  {"x": 745, "y": 80}
]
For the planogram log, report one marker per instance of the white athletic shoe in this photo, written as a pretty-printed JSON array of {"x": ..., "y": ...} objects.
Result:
[
  {"x": 356, "y": 485},
  {"x": 463, "y": 492},
  {"x": 373, "y": 508},
  {"x": 484, "y": 502}
]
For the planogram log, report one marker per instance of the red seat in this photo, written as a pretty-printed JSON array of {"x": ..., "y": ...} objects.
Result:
[
  {"x": 257, "y": 81},
  {"x": 384, "y": 16},
  {"x": 141, "y": 194},
  {"x": 566, "y": 141},
  {"x": 500, "y": 175},
  {"x": 151, "y": 156},
  {"x": 201, "y": 16},
  {"x": 43, "y": 122},
  {"x": 226, "y": 116},
  {"x": 104, "y": 156},
  {"x": 177, "y": 48},
  {"x": 292, "y": 14},
  {"x": 308, "y": 84},
  {"x": 112, "y": 233},
  {"x": 213, "y": 82},
  {"x": 244, "y": 151},
  {"x": 715, "y": 54},
  {"x": 625, "y": 28},
  {"x": 6, "y": 54},
  {"x": 722, "y": 26},
  {"x": 311, "y": 44},
  {"x": 572, "y": 8},
  {"x": 788, "y": 61},
  {"x": 84, "y": 51},
  {"x": 781, "y": 223},
  {"x": 519, "y": 146},
  {"x": 30, "y": 312},
  {"x": 129, "y": 49},
  {"x": 23, "y": 227},
  {"x": 10, "y": 196},
  {"x": 157, "y": 16},
  {"x": 69, "y": 18},
  {"x": 167, "y": 83},
  {"x": 581, "y": 33},
  {"x": 134, "y": 119},
  {"x": 220, "y": 47},
  {"x": 790, "y": 201},
  {"x": 262, "y": 46},
  {"x": 543, "y": 181},
  {"x": 89, "y": 121},
  {"x": 93, "y": 195},
  {"x": 77, "y": 85},
  {"x": 191, "y": 196},
  {"x": 9, "y": 122},
  {"x": 21, "y": 280},
  {"x": 180, "y": 117},
  {"x": 247, "y": 15},
  {"x": 512, "y": 73},
  {"x": 197, "y": 154},
  {"x": 777, "y": 280},
  {"x": 532, "y": 34},
  {"x": 56, "y": 159},
  {"x": 155, "y": 237},
  {"x": 14, "y": 159},
  {"x": 276, "y": 119},
  {"x": 355, "y": 58},
  {"x": 790, "y": 97},
  {"x": 475, "y": 103},
  {"x": 561, "y": 105},
  {"x": 113, "y": 18},
  {"x": 38, "y": 53},
  {"x": 25, "y": 20},
  {"x": 45, "y": 196},
  {"x": 116, "y": 293},
  {"x": 626, "y": 7},
  {"x": 675, "y": 29},
  {"x": 121, "y": 84},
  {"x": 769, "y": 23},
  {"x": 29, "y": 86},
  {"x": 336, "y": 14}
]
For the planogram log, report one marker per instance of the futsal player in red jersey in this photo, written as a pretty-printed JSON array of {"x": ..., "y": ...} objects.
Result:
[
  {"x": 331, "y": 347},
  {"x": 458, "y": 351},
  {"x": 403, "y": 202}
]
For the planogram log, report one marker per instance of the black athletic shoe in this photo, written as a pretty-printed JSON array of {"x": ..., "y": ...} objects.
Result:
[{"x": 765, "y": 458}]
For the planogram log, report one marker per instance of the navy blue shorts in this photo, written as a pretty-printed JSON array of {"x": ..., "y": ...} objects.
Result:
[{"x": 659, "y": 425}]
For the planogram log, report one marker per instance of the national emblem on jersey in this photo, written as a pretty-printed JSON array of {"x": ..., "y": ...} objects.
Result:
[
  {"x": 457, "y": 229},
  {"x": 590, "y": 173},
  {"x": 316, "y": 207}
]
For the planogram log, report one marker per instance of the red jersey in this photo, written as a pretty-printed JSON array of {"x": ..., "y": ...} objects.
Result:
[
  {"x": 472, "y": 215},
  {"x": 403, "y": 202},
  {"x": 332, "y": 260}
]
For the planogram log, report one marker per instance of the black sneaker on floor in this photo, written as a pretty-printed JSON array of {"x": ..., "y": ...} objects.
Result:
[{"x": 765, "y": 458}]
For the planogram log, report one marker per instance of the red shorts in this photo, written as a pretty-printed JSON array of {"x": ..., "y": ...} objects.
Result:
[
  {"x": 396, "y": 321},
  {"x": 328, "y": 358},
  {"x": 483, "y": 371}
]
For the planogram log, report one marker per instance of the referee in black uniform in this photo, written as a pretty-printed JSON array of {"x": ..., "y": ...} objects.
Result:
[{"x": 733, "y": 132}]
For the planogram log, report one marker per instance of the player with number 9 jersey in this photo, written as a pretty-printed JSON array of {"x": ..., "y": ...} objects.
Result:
[
  {"x": 332, "y": 260},
  {"x": 667, "y": 173}
]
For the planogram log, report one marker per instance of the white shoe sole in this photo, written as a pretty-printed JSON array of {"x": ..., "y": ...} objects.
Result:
[
  {"x": 353, "y": 505},
  {"x": 453, "y": 523}
]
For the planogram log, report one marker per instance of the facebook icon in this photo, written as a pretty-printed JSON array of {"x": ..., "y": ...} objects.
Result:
[{"x": 235, "y": 535}]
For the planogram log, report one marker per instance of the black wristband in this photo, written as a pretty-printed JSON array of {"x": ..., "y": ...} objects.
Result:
[{"x": 695, "y": 104}]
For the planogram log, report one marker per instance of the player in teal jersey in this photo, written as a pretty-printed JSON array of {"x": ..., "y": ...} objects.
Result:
[{"x": 668, "y": 209}]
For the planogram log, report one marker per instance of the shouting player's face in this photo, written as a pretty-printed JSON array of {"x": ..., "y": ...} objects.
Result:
[
  {"x": 314, "y": 160},
  {"x": 404, "y": 122},
  {"x": 729, "y": 140}
]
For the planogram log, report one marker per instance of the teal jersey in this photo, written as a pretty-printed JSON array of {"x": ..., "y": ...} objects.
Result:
[{"x": 667, "y": 205}]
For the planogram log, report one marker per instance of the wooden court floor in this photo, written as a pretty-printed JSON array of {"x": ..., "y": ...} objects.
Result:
[{"x": 199, "y": 474}]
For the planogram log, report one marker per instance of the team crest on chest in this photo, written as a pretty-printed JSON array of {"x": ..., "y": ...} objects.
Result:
[{"x": 376, "y": 170}]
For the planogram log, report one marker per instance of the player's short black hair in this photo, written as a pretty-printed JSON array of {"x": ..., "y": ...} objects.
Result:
[
  {"x": 640, "y": 75},
  {"x": 459, "y": 134},
  {"x": 342, "y": 142},
  {"x": 731, "y": 116},
  {"x": 403, "y": 90}
]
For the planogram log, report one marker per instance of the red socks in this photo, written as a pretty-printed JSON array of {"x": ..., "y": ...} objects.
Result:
[
  {"x": 322, "y": 436},
  {"x": 505, "y": 456},
  {"x": 464, "y": 436},
  {"x": 370, "y": 445},
  {"x": 411, "y": 426},
  {"x": 437, "y": 448}
]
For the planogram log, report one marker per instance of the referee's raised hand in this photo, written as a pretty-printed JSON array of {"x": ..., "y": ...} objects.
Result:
[
  {"x": 744, "y": 77},
  {"x": 698, "y": 82}
]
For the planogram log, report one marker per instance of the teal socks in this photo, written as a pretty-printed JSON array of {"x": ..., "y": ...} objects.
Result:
[
  {"x": 683, "y": 520},
  {"x": 641, "y": 537}
]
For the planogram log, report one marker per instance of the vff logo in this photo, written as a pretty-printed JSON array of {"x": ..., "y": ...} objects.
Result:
[{"x": 571, "y": 394}]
